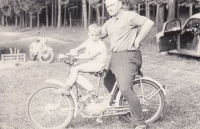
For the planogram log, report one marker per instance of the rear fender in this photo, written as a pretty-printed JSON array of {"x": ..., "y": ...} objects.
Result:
[
  {"x": 143, "y": 78},
  {"x": 61, "y": 84},
  {"x": 47, "y": 48}
]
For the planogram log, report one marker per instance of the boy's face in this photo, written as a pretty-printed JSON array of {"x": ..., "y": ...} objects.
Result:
[{"x": 94, "y": 36}]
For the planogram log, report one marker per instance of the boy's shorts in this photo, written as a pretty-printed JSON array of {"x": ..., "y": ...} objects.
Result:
[{"x": 96, "y": 66}]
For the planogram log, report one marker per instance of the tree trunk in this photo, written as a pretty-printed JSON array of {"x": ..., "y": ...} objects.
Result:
[
  {"x": 172, "y": 10},
  {"x": 161, "y": 16},
  {"x": 52, "y": 12},
  {"x": 97, "y": 15},
  {"x": 47, "y": 18},
  {"x": 16, "y": 20},
  {"x": 84, "y": 2},
  {"x": 90, "y": 13},
  {"x": 147, "y": 11},
  {"x": 21, "y": 18},
  {"x": 31, "y": 20},
  {"x": 59, "y": 13},
  {"x": 26, "y": 20},
  {"x": 191, "y": 8},
  {"x": 103, "y": 14},
  {"x": 65, "y": 15},
  {"x": 38, "y": 19},
  {"x": 6, "y": 21},
  {"x": 55, "y": 18},
  {"x": 157, "y": 13},
  {"x": 2, "y": 20}
]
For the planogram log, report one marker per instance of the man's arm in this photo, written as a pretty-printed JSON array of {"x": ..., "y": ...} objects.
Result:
[
  {"x": 145, "y": 29},
  {"x": 104, "y": 32}
]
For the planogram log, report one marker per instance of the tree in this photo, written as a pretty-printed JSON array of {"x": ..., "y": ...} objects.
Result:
[
  {"x": 47, "y": 17},
  {"x": 7, "y": 11},
  {"x": 52, "y": 12},
  {"x": 15, "y": 6},
  {"x": 59, "y": 13},
  {"x": 160, "y": 13},
  {"x": 172, "y": 9},
  {"x": 60, "y": 3},
  {"x": 84, "y": 2},
  {"x": 31, "y": 7}
]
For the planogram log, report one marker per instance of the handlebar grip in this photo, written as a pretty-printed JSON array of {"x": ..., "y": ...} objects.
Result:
[{"x": 62, "y": 57}]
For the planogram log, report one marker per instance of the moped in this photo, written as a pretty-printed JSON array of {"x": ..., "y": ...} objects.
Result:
[
  {"x": 47, "y": 109},
  {"x": 39, "y": 50}
]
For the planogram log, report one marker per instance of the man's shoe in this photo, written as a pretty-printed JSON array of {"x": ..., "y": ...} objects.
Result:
[
  {"x": 62, "y": 91},
  {"x": 141, "y": 127}
]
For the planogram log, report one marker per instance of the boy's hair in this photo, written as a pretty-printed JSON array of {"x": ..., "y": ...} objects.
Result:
[{"x": 95, "y": 28}]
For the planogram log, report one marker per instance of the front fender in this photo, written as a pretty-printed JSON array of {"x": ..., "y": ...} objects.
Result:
[
  {"x": 61, "y": 84},
  {"x": 49, "y": 48}
]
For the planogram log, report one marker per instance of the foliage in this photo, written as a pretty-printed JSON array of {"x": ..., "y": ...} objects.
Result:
[{"x": 31, "y": 6}]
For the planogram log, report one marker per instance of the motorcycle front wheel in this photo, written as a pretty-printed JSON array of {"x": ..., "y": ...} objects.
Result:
[
  {"x": 48, "y": 110},
  {"x": 46, "y": 56}
]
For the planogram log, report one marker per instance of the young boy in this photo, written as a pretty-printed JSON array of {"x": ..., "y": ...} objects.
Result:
[{"x": 95, "y": 52}]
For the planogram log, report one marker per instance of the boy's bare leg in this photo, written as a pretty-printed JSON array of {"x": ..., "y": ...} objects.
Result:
[{"x": 86, "y": 67}]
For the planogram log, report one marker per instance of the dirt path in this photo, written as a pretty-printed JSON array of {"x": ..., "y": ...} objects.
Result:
[{"x": 25, "y": 37}]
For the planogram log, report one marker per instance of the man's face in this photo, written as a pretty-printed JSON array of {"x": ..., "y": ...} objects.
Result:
[{"x": 113, "y": 7}]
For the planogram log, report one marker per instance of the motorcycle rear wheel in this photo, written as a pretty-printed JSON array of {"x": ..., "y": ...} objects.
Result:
[
  {"x": 152, "y": 101},
  {"x": 46, "y": 56}
]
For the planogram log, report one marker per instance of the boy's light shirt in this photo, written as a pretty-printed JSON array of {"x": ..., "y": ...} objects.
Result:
[{"x": 92, "y": 47}]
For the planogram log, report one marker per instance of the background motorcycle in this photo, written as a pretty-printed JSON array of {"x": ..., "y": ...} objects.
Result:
[{"x": 38, "y": 49}]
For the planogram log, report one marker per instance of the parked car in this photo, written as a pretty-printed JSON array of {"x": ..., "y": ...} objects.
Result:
[{"x": 178, "y": 39}]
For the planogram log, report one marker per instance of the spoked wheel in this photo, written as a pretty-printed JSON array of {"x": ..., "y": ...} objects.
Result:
[
  {"x": 46, "y": 56},
  {"x": 151, "y": 98},
  {"x": 47, "y": 110}
]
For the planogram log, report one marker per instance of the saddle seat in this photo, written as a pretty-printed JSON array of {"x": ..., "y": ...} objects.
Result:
[{"x": 100, "y": 73}]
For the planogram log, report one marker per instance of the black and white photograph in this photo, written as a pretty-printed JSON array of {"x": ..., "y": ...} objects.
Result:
[{"x": 99, "y": 64}]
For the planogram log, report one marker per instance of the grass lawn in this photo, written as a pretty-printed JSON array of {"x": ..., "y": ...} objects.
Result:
[{"x": 179, "y": 74}]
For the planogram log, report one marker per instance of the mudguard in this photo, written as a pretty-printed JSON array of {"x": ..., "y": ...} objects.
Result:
[
  {"x": 143, "y": 78},
  {"x": 84, "y": 83},
  {"x": 49, "y": 48},
  {"x": 61, "y": 84}
]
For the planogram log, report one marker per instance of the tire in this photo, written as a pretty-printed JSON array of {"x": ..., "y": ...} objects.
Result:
[
  {"x": 46, "y": 56},
  {"x": 152, "y": 108},
  {"x": 47, "y": 110}
]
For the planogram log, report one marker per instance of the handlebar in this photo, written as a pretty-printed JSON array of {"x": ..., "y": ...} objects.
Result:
[{"x": 68, "y": 58}]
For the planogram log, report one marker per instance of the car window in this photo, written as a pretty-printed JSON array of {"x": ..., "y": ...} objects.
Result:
[
  {"x": 173, "y": 26},
  {"x": 194, "y": 22}
]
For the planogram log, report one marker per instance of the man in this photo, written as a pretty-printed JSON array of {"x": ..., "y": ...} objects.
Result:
[{"x": 126, "y": 59}]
